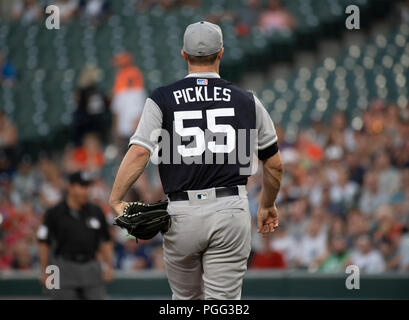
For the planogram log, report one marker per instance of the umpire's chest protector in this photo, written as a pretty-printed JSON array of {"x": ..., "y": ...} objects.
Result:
[{"x": 208, "y": 134}]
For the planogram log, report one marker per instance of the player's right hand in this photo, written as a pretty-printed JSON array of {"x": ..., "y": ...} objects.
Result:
[{"x": 267, "y": 220}]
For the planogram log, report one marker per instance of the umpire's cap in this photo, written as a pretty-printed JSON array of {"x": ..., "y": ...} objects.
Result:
[
  {"x": 80, "y": 177},
  {"x": 202, "y": 39}
]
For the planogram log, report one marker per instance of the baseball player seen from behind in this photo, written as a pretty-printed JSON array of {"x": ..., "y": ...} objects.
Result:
[{"x": 200, "y": 127}]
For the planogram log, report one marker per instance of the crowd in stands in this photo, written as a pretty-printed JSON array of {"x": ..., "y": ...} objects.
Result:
[
  {"x": 32, "y": 11},
  {"x": 344, "y": 198},
  {"x": 266, "y": 15}
]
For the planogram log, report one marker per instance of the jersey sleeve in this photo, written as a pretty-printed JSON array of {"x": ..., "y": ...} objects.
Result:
[
  {"x": 267, "y": 136},
  {"x": 148, "y": 130}
]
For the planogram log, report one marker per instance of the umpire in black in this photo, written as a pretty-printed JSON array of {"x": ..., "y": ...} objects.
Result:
[{"x": 73, "y": 234}]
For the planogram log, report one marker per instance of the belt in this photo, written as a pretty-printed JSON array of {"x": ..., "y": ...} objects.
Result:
[
  {"x": 220, "y": 192},
  {"x": 79, "y": 258}
]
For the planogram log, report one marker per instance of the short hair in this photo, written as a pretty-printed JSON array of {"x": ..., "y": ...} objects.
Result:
[{"x": 202, "y": 60}]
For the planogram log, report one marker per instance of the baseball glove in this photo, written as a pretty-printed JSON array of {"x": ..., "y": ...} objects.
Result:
[{"x": 144, "y": 220}]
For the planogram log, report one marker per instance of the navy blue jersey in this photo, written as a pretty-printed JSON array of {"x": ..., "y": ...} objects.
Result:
[{"x": 209, "y": 130}]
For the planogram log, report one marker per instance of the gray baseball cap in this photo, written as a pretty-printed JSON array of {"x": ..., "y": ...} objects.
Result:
[{"x": 202, "y": 39}]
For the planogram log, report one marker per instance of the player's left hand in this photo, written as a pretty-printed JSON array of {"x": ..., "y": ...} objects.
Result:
[
  {"x": 267, "y": 220},
  {"x": 118, "y": 207}
]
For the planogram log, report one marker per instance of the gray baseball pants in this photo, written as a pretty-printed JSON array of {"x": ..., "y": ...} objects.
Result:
[{"x": 207, "y": 247}]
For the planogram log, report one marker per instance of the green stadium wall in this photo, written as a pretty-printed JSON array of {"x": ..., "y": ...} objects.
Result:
[{"x": 257, "y": 285}]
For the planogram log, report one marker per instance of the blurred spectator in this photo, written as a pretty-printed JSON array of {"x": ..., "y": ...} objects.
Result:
[
  {"x": 6, "y": 257},
  {"x": 6, "y": 10},
  {"x": 22, "y": 258},
  {"x": 276, "y": 17},
  {"x": 368, "y": 260},
  {"x": 94, "y": 10},
  {"x": 337, "y": 259},
  {"x": 389, "y": 251},
  {"x": 144, "y": 5},
  {"x": 27, "y": 11},
  {"x": 387, "y": 226},
  {"x": 129, "y": 99},
  {"x": 318, "y": 132},
  {"x": 87, "y": 157},
  {"x": 165, "y": 4},
  {"x": 9, "y": 229},
  {"x": 247, "y": 17},
  {"x": 28, "y": 220},
  {"x": 267, "y": 257},
  {"x": 371, "y": 197},
  {"x": 355, "y": 168},
  {"x": 8, "y": 132},
  {"x": 343, "y": 191},
  {"x": 314, "y": 186},
  {"x": 401, "y": 155},
  {"x": 357, "y": 225},
  {"x": 8, "y": 137},
  {"x": 8, "y": 73},
  {"x": 323, "y": 218},
  {"x": 312, "y": 246},
  {"x": 285, "y": 244},
  {"x": 68, "y": 8},
  {"x": 99, "y": 194},
  {"x": 310, "y": 151},
  {"x": 337, "y": 227},
  {"x": 132, "y": 256},
  {"x": 340, "y": 135},
  {"x": 92, "y": 113},
  {"x": 51, "y": 188},
  {"x": 388, "y": 177},
  {"x": 25, "y": 182},
  {"x": 298, "y": 221}
]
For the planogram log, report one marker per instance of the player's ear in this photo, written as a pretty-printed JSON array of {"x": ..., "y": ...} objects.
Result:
[
  {"x": 219, "y": 56},
  {"x": 183, "y": 55}
]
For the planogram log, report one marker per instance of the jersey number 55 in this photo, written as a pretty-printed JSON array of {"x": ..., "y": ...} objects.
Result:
[{"x": 199, "y": 134}]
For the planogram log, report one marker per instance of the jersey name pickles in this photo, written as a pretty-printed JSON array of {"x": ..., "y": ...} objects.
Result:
[{"x": 201, "y": 93}]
